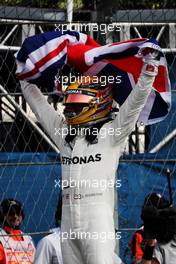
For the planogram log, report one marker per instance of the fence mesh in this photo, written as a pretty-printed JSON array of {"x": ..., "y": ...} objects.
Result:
[{"x": 30, "y": 167}]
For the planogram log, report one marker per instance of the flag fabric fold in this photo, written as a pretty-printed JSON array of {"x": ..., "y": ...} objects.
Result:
[{"x": 42, "y": 55}]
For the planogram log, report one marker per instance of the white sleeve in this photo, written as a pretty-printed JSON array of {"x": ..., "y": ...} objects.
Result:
[
  {"x": 117, "y": 260},
  {"x": 44, "y": 252},
  {"x": 130, "y": 110},
  {"x": 158, "y": 255},
  {"x": 50, "y": 119}
]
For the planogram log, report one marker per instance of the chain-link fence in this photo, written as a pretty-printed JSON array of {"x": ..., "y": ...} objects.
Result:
[{"x": 29, "y": 163}]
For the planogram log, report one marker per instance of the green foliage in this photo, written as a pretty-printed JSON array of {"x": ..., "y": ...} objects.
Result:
[
  {"x": 92, "y": 4},
  {"x": 10, "y": 2},
  {"x": 42, "y": 3},
  {"x": 145, "y": 4}
]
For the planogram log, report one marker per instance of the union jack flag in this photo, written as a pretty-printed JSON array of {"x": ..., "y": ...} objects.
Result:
[{"x": 42, "y": 55}]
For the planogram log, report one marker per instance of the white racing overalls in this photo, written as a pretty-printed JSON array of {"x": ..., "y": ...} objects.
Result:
[{"x": 88, "y": 174}]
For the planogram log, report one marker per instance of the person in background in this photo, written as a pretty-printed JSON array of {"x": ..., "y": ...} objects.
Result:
[
  {"x": 138, "y": 241},
  {"x": 49, "y": 249},
  {"x": 160, "y": 232},
  {"x": 15, "y": 247}
]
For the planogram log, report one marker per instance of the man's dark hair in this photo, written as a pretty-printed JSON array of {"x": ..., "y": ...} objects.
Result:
[
  {"x": 10, "y": 207},
  {"x": 159, "y": 218}
]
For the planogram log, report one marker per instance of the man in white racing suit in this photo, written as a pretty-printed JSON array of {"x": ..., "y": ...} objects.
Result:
[{"x": 89, "y": 168}]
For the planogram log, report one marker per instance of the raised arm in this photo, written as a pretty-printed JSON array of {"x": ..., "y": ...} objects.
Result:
[
  {"x": 50, "y": 119},
  {"x": 130, "y": 110}
]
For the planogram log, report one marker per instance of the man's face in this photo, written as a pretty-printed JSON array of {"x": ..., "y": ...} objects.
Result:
[
  {"x": 72, "y": 110},
  {"x": 13, "y": 219}
]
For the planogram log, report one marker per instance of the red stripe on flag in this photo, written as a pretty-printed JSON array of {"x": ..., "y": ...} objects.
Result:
[
  {"x": 131, "y": 65},
  {"x": 76, "y": 56},
  {"x": 91, "y": 42},
  {"x": 44, "y": 60},
  {"x": 52, "y": 54},
  {"x": 161, "y": 81},
  {"x": 28, "y": 74}
]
